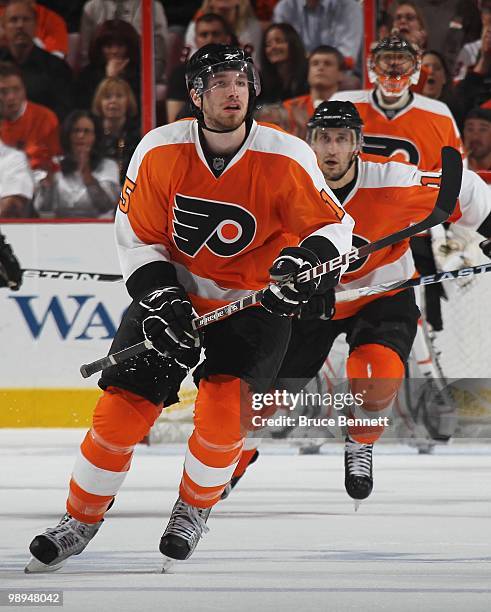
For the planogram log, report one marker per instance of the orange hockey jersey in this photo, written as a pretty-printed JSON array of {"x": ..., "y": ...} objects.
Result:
[
  {"x": 222, "y": 234},
  {"x": 388, "y": 197},
  {"x": 415, "y": 134}
]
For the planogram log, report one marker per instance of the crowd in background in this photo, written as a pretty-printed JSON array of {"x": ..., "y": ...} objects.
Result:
[{"x": 70, "y": 79}]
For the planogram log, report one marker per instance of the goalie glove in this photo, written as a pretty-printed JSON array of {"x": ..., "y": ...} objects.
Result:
[
  {"x": 10, "y": 272},
  {"x": 167, "y": 321},
  {"x": 486, "y": 247},
  {"x": 285, "y": 299}
]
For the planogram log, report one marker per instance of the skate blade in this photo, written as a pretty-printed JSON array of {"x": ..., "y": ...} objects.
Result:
[
  {"x": 356, "y": 504},
  {"x": 37, "y": 567},
  {"x": 167, "y": 564}
]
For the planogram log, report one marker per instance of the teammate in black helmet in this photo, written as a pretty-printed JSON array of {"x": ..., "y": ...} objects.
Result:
[{"x": 335, "y": 134}]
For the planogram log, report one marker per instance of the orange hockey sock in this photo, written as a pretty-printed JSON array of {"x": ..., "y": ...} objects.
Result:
[{"x": 121, "y": 419}]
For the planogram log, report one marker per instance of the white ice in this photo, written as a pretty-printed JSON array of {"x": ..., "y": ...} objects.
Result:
[{"x": 287, "y": 539}]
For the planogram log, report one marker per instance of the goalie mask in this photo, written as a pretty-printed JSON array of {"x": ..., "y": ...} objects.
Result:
[
  {"x": 334, "y": 132},
  {"x": 206, "y": 67},
  {"x": 394, "y": 65}
]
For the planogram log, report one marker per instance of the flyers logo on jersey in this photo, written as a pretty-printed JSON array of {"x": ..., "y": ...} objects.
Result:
[{"x": 225, "y": 229}]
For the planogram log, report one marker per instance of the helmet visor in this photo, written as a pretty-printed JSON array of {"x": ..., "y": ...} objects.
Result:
[
  {"x": 395, "y": 64},
  {"x": 342, "y": 140},
  {"x": 223, "y": 75}
]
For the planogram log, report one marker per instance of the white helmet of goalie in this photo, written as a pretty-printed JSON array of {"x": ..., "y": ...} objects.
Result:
[{"x": 394, "y": 64}]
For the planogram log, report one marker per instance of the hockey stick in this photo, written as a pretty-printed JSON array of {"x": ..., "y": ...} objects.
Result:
[
  {"x": 66, "y": 275},
  {"x": 354, "y": 294},
  {"x": 451, "y": 179}
]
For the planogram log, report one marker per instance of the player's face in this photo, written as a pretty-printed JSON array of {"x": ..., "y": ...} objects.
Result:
[
  {"x": 436, "y": 76},
  {"x": 324, "y": 70},
  {"x": 334, "y": 149},
  {"x": 225, "y": 100},
  {"x": 12, "y": 96},
  {"x": 477, "y": 137},
  {"x": 394, "y": 63}
]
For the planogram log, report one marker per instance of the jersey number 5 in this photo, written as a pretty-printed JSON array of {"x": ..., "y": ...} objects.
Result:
[{"x": 124, "y": 198}]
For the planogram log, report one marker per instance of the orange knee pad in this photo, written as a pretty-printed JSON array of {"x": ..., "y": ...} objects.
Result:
[
  {"x": 375, "y": 372},
  {"x": 124, "y": 418}
]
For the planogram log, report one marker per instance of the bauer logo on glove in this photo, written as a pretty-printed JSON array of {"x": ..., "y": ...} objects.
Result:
[{"x": 285, "y": 295}]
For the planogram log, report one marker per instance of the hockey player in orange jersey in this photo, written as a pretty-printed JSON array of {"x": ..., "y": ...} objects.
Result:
[
  {"x": 208, "y": 206},
  {"x": 407, "y": 126},
  {"x": 397, "y": 122},
  {"x": 382, "y": 197}
]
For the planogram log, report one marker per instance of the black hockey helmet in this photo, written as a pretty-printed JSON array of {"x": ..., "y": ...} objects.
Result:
[
  {"x": 394, "y": 81},
  {"x": 336, "y": 114},
  {"x": 214, "y": 58}
]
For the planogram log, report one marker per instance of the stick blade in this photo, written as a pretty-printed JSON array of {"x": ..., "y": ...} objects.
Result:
[{"x": 451, "y": 181}]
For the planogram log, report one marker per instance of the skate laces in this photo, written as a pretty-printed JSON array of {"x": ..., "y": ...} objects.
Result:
[
  {"x": 69, "y": 533},
  {"x": 359, "y": 458},
  {"x": 187, "y": 521}
]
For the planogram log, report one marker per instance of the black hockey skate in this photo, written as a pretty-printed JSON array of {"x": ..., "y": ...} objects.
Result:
[
  {"x": 358, "y": 477},
  {"x": 235, "y": 479},
  {"x": 52, "y": 548},
  {"x": 186, "y": 526}
]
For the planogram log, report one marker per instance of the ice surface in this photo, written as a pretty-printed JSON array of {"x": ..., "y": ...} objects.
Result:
[{"x": 287, "y": 539}]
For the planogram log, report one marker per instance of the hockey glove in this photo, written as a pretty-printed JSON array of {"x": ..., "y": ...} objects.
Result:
[
  {"x": 167, "y": 321},
  {"x": 486, "y": 247},
  {"x": 320, "y": 306},
  {"x": 10, "y": 272},
  {"x": 286, "y": 298}
]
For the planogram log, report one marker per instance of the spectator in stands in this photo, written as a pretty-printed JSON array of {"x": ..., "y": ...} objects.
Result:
[
  {"x": 325, "y": 73},
  {"x": 27, "y": 126},
  {"x": 97, "y": 12},
  {"x": 114, "y": 52},
  {"x": 71, "y": 11},
  {"x": 179, "y": 14},
  {"x": 115, "y": 104},
  {"x": 209, "y": 28},
  {"x": 475, "y": 65},
  {"x": 283, "y": 64},
  {"x": 51, "y": 31},
  {"x": 264, "y": 11},
  {"x": 409, "y": 20},
  {"x": 88, "y": 183},
  {"x": 48, "y": 79},
  {"x": 338, "y": 23},
  {"x": 471, "y": 52},
  {"x": 241, "y": 19},
  {"x": 16, "y": 183},
  {"x": 438, "y": 84},
  {"x": 477, "y": 138}
]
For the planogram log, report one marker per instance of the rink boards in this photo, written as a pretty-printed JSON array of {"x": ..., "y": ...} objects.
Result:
[{"x": 50, "y": 327}]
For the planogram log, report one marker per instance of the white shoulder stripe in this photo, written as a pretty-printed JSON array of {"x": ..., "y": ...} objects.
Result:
[
  {"x": 355, "y": 95},
  {"x": 271, "y": 140},
  {"x": 389, "y": 174},
  {"x": 432, "y": 106},
  {"x": 179, "y": 132}
]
